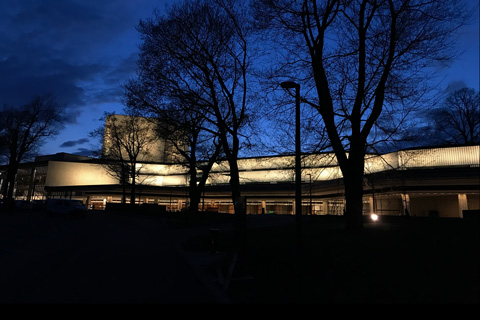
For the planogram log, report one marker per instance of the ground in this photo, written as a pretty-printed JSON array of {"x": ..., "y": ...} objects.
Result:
[
  {"x": 395, "y": 260},
  {"x": 170, "y": 258}
]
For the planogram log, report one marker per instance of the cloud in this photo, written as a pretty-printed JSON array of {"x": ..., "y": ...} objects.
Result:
[
  {"x": 455, "y": 85},
  {"x": 72, "y": 49},
  {"x": 22, "y": 78},
  {"x": 81, "y": 52},
  {"x": 86, "y": 152},
  {"x": 71, "y": 115},
  {"x": 69, "y": 144}
]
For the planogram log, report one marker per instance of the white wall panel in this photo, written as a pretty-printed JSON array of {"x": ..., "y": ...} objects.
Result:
[{"x": 77, "y": 174}]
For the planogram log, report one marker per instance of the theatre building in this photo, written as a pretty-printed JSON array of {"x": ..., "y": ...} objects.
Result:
[{"x": 437, "y": 181}]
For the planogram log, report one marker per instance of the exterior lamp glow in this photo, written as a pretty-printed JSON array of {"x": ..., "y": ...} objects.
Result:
[{"x": 374, "y": 217}]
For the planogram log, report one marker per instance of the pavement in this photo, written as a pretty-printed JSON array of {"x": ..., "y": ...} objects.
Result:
[
  {"x": 101, "y": 259},
  {"x": 217, "y": 269},
  {"x": 115, "y": 259},
  {"x": 107, "y": 259}
]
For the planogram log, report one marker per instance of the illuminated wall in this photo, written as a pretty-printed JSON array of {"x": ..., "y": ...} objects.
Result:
[
  {"x": 275, "y": 169},
  {"x": 77, "y": 174},
  {"x": 324, "y": 167},
  {"x": 265, "y": 169},
  {"x": 154, "y": 148},
  {"x": 439, "y": 157}
]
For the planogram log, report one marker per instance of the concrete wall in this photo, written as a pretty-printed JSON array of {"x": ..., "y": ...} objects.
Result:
[
  {"x": 77, "y": 174},
  {"x": 153, "y": 148}
]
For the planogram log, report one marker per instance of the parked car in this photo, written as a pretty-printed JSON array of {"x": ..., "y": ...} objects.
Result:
[{"x": 65, "y": 206}]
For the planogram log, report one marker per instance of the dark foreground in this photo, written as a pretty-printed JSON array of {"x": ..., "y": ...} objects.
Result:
[
  {"x": 108, "y": 258},
  {"x": 395, "y": 260},
  {"x": 98, "y": 259}
]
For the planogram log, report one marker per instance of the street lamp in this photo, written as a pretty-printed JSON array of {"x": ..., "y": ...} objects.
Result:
[
  {"x": 310, "y": 187},
  {"x": 298, "y": 181}
]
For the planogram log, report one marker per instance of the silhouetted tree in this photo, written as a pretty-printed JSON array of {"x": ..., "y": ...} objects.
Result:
[
  {"x": 356, "y": 60},
  {"x": 198, "y": 148},
  {"x": 23, "y": 130},
  {"x": 457, "y": 121},
  {"x": 128, "y": 140},
  {"x": 117, "y": 167},
  {"x": 197, "y": 54},
  {"x": 180, "y": 123}
]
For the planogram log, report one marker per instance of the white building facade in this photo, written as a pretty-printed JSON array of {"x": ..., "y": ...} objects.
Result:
[{"x": 441, "y": 182}]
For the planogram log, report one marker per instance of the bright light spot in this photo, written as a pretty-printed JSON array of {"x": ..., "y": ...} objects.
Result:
[{"x": 374, "y": 217}]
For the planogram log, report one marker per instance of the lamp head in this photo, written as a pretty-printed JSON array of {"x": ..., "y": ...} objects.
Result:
[{"x": 288, "y": 85}]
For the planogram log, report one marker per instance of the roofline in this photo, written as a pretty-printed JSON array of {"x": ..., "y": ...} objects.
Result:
[{"x": 99, "y": 160}]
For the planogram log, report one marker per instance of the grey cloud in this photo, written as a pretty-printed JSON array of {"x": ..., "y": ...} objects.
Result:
[
  {"x": 71, "y": 115},
  {"x": 22, "y": 78},
  {"x": 125, "y": 69},
  {"x": 69, "y": 144},
  {"x": 61, "y": 47},
  {"x": 86, "y": 152},
  {"x": 455, "y": 85}
]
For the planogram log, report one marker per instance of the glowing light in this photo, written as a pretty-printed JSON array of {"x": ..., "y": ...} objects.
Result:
[{"x": 374, "y": 217}]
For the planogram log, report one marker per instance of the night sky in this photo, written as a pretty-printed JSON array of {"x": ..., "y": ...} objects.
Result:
[{"x": 82, "y": 51}]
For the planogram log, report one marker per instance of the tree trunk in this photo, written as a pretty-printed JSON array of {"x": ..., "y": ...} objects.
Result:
[
  {"x": 11, "y": 174},
  {"x": 10, "y": 185},
  {"x": 124, "y": 193},
  {"x": 239, "y": 208},
  {"x": 235, "y": 185},
  {"x": 353, "y": 180},
  {"x": 195, "y": 196},
  {"x": 124, "y": 181},
  {"x": 193, "y": 190},
  {"x": 132, "y": 187}
]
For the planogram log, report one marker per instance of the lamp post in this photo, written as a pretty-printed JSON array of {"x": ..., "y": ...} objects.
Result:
[
  {"x": 298, "y": 181},
  {"x": 310, "y": 187}
]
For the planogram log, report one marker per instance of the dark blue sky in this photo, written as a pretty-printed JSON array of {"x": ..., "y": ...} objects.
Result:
[
  {"x": 83, "y": 50},
  {"x": 79, "y": 50}
]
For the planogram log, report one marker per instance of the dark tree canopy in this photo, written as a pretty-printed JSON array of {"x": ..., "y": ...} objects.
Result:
[
  {"x": 24, "y": 129},
  {"x": 128, "y": 140},
  {"x": 457, "y": 121},
  {"x": 194, "y": 65},
  {"x": 356, "y": 61}
]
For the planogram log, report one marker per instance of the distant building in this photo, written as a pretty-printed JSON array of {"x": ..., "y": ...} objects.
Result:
[
  {"x": 138, "y": 130},
  {"x": 437, "y": 181}
]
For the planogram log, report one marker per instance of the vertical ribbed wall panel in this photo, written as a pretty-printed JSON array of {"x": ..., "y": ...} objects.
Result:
[{"x": 440, "y": 157}]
